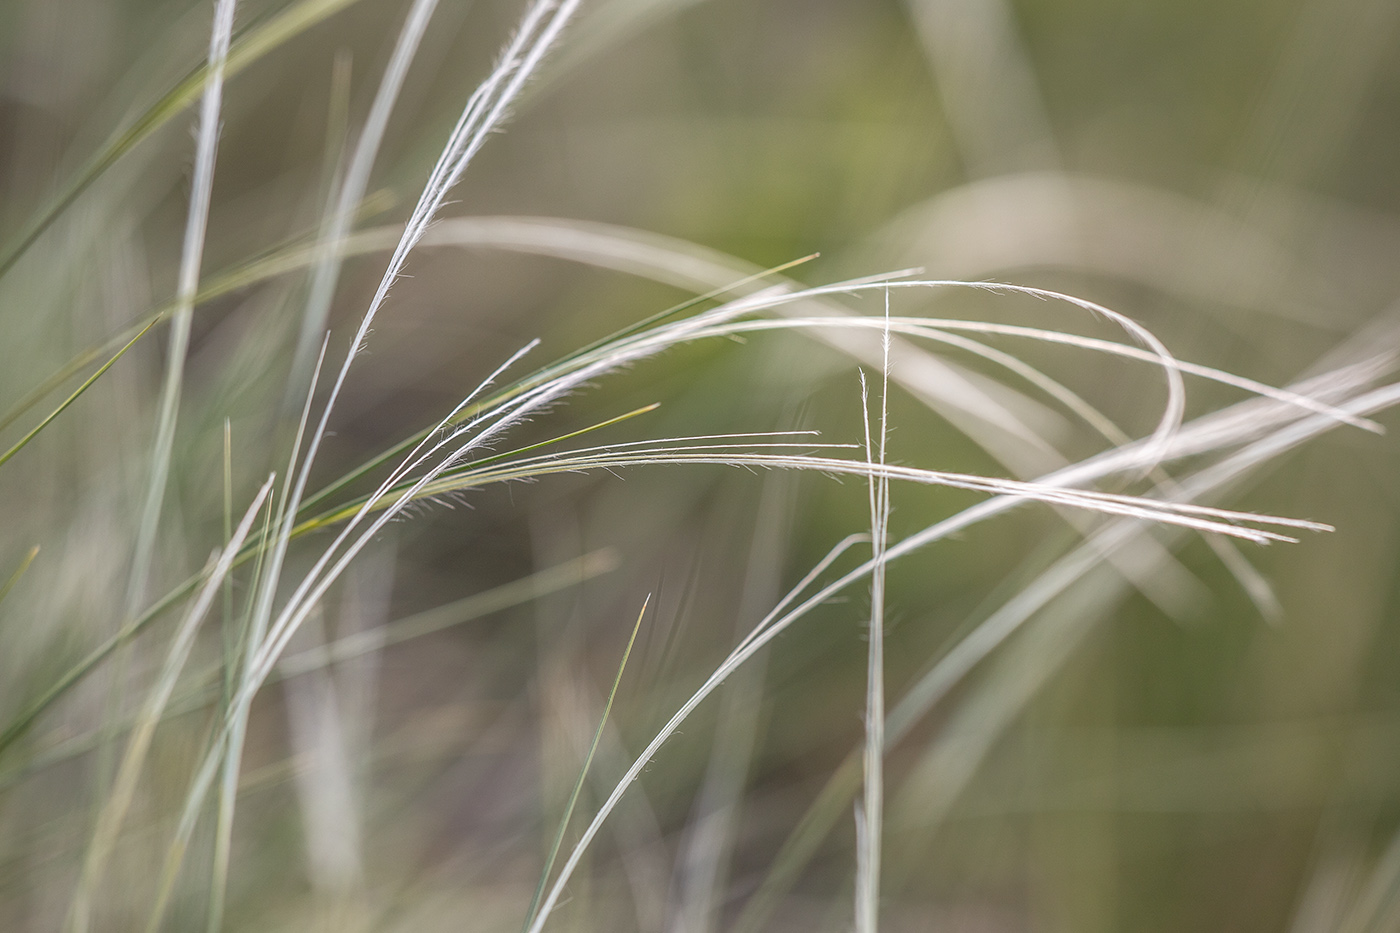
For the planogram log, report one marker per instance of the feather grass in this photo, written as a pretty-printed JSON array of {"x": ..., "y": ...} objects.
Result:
[{"x": 286, "y": 572}]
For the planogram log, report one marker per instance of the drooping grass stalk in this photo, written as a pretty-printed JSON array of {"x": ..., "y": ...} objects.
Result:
[
  {"x": 579, "y": 369},
  {"x": 536, "y": 379},
  {"x": 484, "y": 110},
  {"x": 540, "y": 27},
  {"x": 530, "y": 401},
  {"x": 724, "y": 328},
  {"x": 309, "y": 593},
  {"x": 686, "y": 330},
  {"x": 935, "y": 329},
  {"x": 601, "y": 463},
  {"x": 475, "y": 445},
  {"x": 514, "y": 410}
]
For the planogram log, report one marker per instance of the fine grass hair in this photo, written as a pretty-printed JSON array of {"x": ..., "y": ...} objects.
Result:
[{"x": 399, "y": 691}]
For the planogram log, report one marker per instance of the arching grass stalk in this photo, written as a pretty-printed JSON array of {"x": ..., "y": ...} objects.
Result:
[
  {"x": 1244, "y": 421},
  {"x": 650, "y": 255},
  {"x": 459, "y": 441},
  {"x": 580, "y": 367},
  {"x": 540, "y": 27},
  {"x": 486, "y": 426}
]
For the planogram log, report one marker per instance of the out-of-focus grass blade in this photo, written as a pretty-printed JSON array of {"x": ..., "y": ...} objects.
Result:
[
  {"x": 583, "y": 773},
  {"x": 251, "y": 46},
  {"x": 77, "y": 672},
  {"x": 207, "y": 692},
  {"x": 290, "y": 258},
  {"x": 228, "y": 625},
  {"x": 19, "y": 572},
  {"x": 255, "y": 548},
  {"x": 802, "y": 844}
]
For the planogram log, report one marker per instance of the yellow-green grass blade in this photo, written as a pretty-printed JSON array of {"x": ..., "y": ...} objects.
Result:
[
  {"x": 251, "y": 273},
  {"x": 41, "y": 391},
  {"x": 87, "y": 383},
  {"x": 583, "y": 773},
  {"x": 452, "y": 480},
  {"x": 19, "y": 572}
]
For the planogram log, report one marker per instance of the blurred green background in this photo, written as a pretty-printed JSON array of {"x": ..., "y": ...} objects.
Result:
[{"x": 1161, "y": 754}]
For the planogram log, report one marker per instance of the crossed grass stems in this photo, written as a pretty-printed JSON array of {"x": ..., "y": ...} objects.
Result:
[{"x": 460, "y": 451}]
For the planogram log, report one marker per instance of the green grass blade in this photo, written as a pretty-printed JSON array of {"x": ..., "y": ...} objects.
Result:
[
  {"x": 583, "y": 773},
  {"x": 87, "y": 383},
  {"x": 37, "y": 394}
]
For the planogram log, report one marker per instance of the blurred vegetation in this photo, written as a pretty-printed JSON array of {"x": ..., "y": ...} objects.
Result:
[{"x": 1155, "y": 748}]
